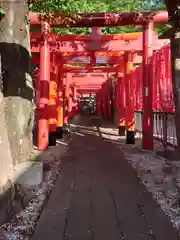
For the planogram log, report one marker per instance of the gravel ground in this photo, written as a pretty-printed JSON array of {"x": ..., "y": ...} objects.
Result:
[{"x": 22, "y": 225}]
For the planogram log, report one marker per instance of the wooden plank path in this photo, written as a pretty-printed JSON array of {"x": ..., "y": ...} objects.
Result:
[{"x": 99, "y": 197}]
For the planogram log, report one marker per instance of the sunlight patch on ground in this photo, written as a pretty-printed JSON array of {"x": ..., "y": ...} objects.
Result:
[
  {"x": 79, "y": 134},
  {"x": 60, "y": 142}
]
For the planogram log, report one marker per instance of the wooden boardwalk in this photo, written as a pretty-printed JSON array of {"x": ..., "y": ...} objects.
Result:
[{"x": 99, "y": 197}]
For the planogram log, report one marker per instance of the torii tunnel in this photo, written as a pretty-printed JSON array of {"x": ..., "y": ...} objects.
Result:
[{"x": 129, "y": 74}]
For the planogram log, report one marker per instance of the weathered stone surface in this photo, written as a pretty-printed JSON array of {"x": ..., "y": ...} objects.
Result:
[{"x": 28, "y": 174}]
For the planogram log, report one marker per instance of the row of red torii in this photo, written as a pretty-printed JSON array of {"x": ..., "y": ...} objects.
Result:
[{"x": 56, "y": 50}]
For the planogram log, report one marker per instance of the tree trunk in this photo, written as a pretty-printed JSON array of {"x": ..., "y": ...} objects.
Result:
[
  {"x": 6, "y": 167},
  {"x": 17, "y": 78},
  {"x": 175, "y": 48},
  {"x": 173, "y": 8}
]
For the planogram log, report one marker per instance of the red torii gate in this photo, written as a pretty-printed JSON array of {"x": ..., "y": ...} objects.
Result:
[
  {"x": 102, "y": 69},
  {"x": 105, "y": 19},
  {"x": 107, "y": 69},
  {"x": 101, "y": 19}
]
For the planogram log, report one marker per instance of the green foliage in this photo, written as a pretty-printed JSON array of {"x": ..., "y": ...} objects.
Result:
[
  {"x": 80, "y": 6},
  {"x": 2, "y": 13}
]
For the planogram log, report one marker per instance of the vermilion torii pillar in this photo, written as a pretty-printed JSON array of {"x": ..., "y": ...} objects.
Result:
[
  {"x": 70, "y": 102},
  {"x": 44, "y": 85},
  {"x": 121, "y": 98},
  {"x": 147, "y": 115},
  {"x": 74, "y": 99},
  {"x": 59, "y": 104},
  {"x": 129, "y": 119},
  {"x": 67, "y": 97}
]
